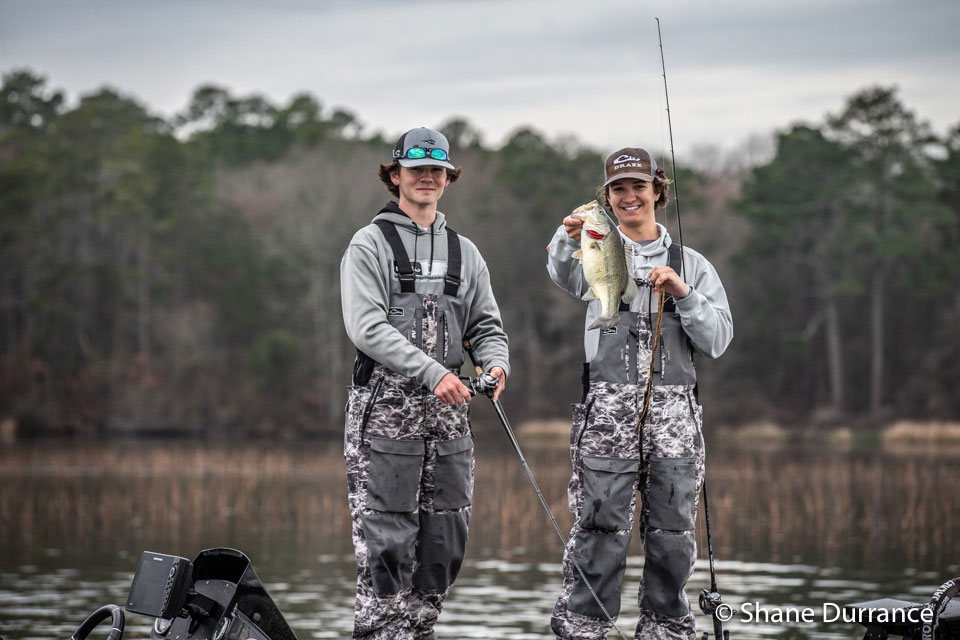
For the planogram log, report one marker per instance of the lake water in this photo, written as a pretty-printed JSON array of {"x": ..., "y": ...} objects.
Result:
[{"x": 794, "y": 528}]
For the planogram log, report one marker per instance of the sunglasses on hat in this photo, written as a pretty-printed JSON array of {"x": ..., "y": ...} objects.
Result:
[{"x": 417, "y": 153}]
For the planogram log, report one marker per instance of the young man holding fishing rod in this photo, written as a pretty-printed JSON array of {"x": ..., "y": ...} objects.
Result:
[
  {"x": 652, "y": 305},
  {"x": 412, "y": 290}
]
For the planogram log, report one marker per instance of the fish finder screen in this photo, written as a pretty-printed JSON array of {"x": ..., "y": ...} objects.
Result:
[{"x": 157, "y": 586}]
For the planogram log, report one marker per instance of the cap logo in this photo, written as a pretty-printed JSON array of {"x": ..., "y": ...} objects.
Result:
[
  {"x": 626, "y": 158},
  {"x": 430, "y": 141}
]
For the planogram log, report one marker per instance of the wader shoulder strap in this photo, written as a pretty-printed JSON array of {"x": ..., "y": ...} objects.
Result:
[
  {"x": 676, "y": 258},
  {"x": 452, "y": 279},
  {"x": 676, "y": 263},
  {"x": 404, "y": 269}
]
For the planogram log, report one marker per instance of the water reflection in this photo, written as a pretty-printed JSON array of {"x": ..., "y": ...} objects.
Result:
[{"x": 792, "y": 529}]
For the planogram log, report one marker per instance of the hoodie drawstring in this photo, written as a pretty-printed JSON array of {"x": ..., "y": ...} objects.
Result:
[
  {"x": 431, "y": 246},
  {"x": 416, "y": 237}
]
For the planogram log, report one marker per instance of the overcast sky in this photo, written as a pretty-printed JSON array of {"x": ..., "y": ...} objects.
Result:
[{"x": 590, "y": 68}]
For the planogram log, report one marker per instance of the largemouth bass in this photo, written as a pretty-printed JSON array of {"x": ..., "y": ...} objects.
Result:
[{"x": 606, "y": 264}]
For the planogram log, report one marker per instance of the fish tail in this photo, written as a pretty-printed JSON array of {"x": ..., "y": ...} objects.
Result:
[{"x": 605, "y": 322}]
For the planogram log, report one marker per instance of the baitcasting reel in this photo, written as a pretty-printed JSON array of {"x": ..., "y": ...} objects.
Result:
[
  {"x": 709, "y": 601},
  {"x": 483, "y": 383}
]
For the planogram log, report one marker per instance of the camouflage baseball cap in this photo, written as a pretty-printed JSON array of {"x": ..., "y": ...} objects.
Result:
[{"x": 629, "y": 162}]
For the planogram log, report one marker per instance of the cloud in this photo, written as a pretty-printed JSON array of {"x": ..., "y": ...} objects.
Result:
[{"x": 735, "y": 67}]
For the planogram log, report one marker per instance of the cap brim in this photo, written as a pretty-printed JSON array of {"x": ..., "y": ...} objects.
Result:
[
  {"x": 421, "y": 162},
  {"x": 646, "y": 177}
]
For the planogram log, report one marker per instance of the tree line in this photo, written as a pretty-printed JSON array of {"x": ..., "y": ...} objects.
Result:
[{"x": 181, "y": 275}]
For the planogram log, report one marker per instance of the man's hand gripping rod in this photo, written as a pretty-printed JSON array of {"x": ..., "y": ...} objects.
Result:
[{"x": 486, "y": 384}]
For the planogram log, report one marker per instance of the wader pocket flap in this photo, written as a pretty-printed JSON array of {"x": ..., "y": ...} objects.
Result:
[
  {"x": 611, "y": 465},
  {"x": 672, "y": 493},
  {"x": 456, "y": 445},
  {"x": 453, "y": 476},
  {"x": 398, "y": 447},
  {"x": 393, "y": 484},
  {"x": 609, "y": 485}
]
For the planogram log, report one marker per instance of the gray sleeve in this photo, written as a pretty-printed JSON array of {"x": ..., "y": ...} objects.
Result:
[
  {"x": 364, "y": 296},
  {"x": 705, "y": 313},
  {"x": 565, "y": 270},
  {"x": 484, "y": 326}
]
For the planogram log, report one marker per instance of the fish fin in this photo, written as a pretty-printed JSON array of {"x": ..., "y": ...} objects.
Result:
[
  {"x": 589, "y": 295},
  {"x": 630, "y": 292},
  {"x": 578, "y": 254},
  {"x": 605, "y": 322}
]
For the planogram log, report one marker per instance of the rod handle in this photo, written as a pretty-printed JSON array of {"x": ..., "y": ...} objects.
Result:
[{"x": 469, "y": 349}]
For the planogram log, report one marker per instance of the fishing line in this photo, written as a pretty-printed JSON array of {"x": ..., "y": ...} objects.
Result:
[
  {"x": 663, "y": 142},
  {"x": 673, "y": 157},
  {"x": 709, "y": 599}
]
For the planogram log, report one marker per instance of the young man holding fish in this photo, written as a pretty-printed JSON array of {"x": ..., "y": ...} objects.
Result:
[
  {"x": 412, "y": 289},
  {"x": 638, "y": 427}
]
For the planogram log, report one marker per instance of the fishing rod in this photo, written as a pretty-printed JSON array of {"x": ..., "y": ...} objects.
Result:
[
  {"x": 710, "y": 599},
  {"x": 673, "y": 157},
  {"x": 486, "y": 384}
]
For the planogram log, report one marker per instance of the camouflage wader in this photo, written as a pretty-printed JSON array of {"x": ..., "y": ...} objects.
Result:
[
  {"x": 409, "y": 460},
  {"x": 607, "y": 460}
]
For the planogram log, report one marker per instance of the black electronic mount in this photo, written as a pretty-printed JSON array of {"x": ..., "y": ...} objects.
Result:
[{"x": 216, "y": 596}]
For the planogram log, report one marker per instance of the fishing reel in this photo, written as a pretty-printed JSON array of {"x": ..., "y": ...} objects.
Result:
[
  {"x": 709, "y": 602},
  {"x": 483, "y": 383}
]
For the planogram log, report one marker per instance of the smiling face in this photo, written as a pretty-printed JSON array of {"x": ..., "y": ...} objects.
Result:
[
  {"x": 420, "y": 187},
  {"x": 633, "y": 201}
]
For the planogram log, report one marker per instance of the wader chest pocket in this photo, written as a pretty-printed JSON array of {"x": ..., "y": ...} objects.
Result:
[
  {"x": 672, "y": 493},
  {"x": 453, "y": 478},
  {"x": 608, "y": 488},
  {"x": 394, "y": 479},
  {"x": 673, "y": 361}
]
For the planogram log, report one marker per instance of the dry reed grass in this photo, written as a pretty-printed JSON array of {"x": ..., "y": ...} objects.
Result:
[
  {"x": 824, "y": 505},
  {"x": 913, "y": 432}
]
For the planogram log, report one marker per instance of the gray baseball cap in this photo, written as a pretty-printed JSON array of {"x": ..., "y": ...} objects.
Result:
[{"x": 431, "y": 145}]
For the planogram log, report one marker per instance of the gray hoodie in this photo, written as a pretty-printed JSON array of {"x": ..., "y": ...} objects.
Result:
[
  {"x": 704, "y": 312},
  {"x": 367, "y": 280}
]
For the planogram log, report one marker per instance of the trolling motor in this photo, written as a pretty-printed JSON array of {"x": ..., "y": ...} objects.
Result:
[
  {"x": 939, "y": 619},
  {"x": 215, "y": 597}
]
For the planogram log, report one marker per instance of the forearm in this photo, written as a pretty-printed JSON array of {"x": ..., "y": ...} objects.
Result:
[
  {"x": 485, "y": 327},
  {"x": 565, "y": 270},
  {"x": 705, "y": 313},
  {"x": 710, "y": 328}
]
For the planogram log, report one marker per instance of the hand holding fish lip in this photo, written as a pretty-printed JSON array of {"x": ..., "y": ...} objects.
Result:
[{"x": 572, "y": 225}]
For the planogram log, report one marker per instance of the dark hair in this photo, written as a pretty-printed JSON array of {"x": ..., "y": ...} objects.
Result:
[
  {"x": 386, "y": 169},
  {"x": 660, "y": 185}
]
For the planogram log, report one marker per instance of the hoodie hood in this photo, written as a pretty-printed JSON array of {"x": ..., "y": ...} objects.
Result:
[
  {"x": 654, "y": 248},
  {"x": 391, "y": 212}
]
